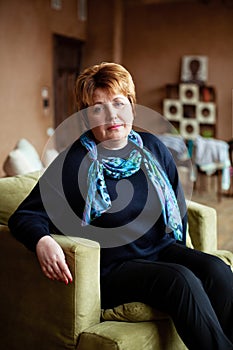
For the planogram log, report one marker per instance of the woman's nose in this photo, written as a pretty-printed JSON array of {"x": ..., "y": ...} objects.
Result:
[{"x": 111, "y": 112}]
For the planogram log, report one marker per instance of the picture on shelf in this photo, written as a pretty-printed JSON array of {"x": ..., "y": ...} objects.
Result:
[{"x": 194, "y": 69}]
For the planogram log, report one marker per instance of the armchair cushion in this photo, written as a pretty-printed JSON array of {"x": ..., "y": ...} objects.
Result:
[
  {"x": 13, "y": 190},
  {"x": 112, "y": 335},
  {"x": 132, "y": 312}
]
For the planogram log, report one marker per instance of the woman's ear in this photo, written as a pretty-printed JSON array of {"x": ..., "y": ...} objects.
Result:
[
  {"x": 132, "y": 106},
  {"x": 133, "y": 110}
]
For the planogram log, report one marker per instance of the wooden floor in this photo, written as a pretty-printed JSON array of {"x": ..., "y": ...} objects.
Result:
[{"x": 224, "y": 214}]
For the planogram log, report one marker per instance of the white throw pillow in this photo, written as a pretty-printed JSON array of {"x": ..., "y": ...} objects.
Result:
[
  {"x": 22, "y": 160},
  {"x": 30, "y": 153}
]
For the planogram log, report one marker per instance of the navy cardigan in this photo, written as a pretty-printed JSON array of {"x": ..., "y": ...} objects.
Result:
[{"x": 132, "y": 228}]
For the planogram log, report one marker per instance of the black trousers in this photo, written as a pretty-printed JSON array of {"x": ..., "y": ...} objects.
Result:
[{"x": 194, "y": 288}]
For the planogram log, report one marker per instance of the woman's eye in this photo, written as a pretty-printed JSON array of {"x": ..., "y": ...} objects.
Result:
[
  {"x": 97, "y": 109},
  {"x": 118, "y": 104}
]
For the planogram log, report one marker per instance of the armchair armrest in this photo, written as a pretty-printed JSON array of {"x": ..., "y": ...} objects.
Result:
[
  {"x": 202, "y": 221},
  {"x": 38, "y": 313},
  {"x": 83, "y": 258}
]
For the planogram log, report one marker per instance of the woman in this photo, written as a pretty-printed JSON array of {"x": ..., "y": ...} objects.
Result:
[{"x": 124, "y": 190}]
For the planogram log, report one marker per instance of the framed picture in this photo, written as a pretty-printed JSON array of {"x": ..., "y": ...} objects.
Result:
[{"x": 194, "y": 69}]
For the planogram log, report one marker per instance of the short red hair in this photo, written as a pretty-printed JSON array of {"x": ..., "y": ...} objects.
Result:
[{"x": 110, "y": 76}]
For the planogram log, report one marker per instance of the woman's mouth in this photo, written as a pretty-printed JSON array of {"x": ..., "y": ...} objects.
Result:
[{"x": 114, "y": 126}]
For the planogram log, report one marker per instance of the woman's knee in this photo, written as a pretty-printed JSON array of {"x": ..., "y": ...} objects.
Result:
[
  {"x": 183, "y": 294},
  {"x": 216, "y": 277},
  {"x": 217, "y": 270},
  {"x": 186, "y": 278},
  {"x": 181, "y": 284}
]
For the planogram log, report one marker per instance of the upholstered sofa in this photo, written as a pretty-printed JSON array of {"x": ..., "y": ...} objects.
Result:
[{"x": 40, "y": 314}]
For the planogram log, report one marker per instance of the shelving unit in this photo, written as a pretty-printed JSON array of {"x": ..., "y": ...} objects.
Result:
[{"x": 191, "y": 109}]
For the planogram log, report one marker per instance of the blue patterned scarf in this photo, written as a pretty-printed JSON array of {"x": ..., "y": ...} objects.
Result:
[{"x": 98, "y": 200}]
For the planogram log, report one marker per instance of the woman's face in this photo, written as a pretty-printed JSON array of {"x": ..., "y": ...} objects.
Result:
[{"x": 110, "y": 118}]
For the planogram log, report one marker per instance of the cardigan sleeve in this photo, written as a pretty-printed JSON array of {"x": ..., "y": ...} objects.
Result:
[
  {"x": 32, "y": 220},
  {"x": 48, "y": 208}
]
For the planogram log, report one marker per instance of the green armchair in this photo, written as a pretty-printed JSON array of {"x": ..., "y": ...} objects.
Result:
[{"x": 40, "y": 314}]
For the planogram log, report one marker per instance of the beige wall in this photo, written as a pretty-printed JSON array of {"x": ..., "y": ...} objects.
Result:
[
  {"x": 26, "y": 64},
  {"x": 99, "y": 45}
]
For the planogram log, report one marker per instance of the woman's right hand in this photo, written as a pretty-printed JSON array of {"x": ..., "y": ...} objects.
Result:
[{"x": 52, "y": 260}]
